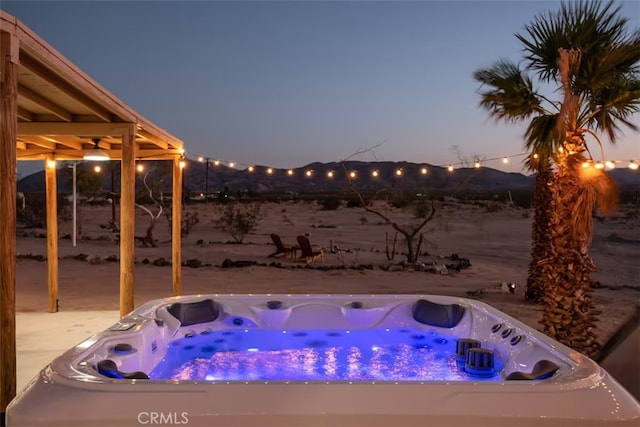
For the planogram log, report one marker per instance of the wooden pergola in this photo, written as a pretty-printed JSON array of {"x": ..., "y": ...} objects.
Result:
[{"x": 51, "y": 110}]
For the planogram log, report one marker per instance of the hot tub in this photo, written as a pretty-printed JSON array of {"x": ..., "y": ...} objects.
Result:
[{"x": 374, "y": 360}]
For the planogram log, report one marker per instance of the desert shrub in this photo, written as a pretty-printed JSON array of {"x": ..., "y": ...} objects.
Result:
[
  {"x": 238, "y": 220},
  {"x": 189, "y": 220},
  {"x": 330, "y": 203},
  {"x": 492, "y": 206},
  {"x": 34, "y": 214},
  {"x": 422, "y": 208},
  {"x": 401, "y": 199},
  {"x": 354, "y": 203}
]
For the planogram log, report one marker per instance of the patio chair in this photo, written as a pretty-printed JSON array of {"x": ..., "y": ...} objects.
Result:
[
  {"x": 281, "y": 248},
  {"x": 309, "y": 253}
]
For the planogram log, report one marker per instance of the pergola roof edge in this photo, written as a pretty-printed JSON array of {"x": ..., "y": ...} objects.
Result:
[{"x": 33, "y": 46}]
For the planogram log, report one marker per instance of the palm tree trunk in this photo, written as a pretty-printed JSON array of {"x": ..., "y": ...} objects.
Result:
[
  {"x": 569, "y": 314},
  {"x": 539, "y": 234}
]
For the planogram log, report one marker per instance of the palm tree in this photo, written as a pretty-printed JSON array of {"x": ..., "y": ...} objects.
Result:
[{"x": 585, "y": 53}]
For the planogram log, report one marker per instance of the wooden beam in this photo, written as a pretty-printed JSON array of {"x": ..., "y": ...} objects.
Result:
[
  {"x": 8, "y": 180},
  {"x": 70, "y": 90},
  {"x": 153, "y": 139},
  {"x": 52, "y": 233},
  {"x": 176, "y": 227},
  {"x": 48, "y": 105},
  {"x": 21, "y": 145},
  {"x": 67, "y": 141},
  {"x": 74, "y": 129},
  {"x": 24, "y": 115},
  {"x": 127, "y": 221},
  {"x": 40, "y": 141},
  {"x": 148, "y": 154}
]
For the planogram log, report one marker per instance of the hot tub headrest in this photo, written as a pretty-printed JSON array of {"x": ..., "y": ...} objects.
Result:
[
  {"x": 192, "y": 313},
  {"x": 441, "y": 315},
  {"x": 543, "y": 369},
  {"x": 108, "y": 368}
]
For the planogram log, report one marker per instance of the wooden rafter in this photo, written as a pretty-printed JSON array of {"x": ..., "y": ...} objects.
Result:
[
  {"x": 37, "y": 69},
  {"x": 54, "y": 108}
]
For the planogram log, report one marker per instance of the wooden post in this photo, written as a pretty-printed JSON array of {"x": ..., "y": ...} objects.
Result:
[
  {"x": 176, "y": 227},
  {"x": 127, "y": 221},
  {"x": 8, "y": 180},
  {"x": 52, "y": 232}
]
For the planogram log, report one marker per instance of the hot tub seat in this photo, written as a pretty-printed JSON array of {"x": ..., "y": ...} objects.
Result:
[
  {"x": 193, "y": 313},
  {"x": 440, "y": 315}
]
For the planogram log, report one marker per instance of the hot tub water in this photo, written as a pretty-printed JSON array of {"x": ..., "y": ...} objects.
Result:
[{"x": 316, "y": 355}]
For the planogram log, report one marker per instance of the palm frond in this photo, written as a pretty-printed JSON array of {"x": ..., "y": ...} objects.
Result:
[
  {"x": 542, "y": 138},
  {"x": 591, "y": 27},
  {"x": 611, "y": 105},
  {"x": 510, "y": 95}
]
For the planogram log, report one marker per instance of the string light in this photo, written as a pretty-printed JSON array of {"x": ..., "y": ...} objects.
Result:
[
  {"x": 182, "y": 163},
  {"x": 51, "y": 164},
  {"x": 398, "y": 173},
  {"x": 97, "y": 168},
  {"x": 140, "y": 167}
]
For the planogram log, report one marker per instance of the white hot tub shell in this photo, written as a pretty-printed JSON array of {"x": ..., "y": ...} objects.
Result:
[{"x": 71, "y": 391}]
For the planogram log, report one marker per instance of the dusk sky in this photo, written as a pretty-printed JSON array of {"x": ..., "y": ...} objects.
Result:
[{"x": 284, "y": 84}]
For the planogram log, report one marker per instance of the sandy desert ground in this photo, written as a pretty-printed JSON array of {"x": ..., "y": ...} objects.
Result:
[{"x": 496, "y": 242}]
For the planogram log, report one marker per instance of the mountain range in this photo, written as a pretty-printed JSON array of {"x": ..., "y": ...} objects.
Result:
[{"x": 410, "y": 177}]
